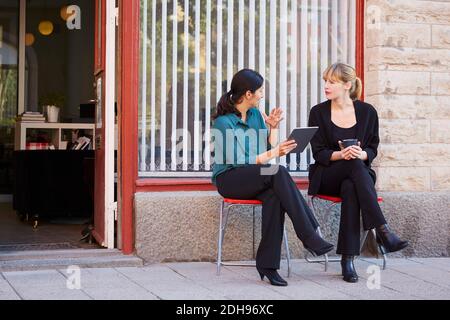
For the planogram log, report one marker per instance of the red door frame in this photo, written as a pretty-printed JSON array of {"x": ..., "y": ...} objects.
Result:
[
  {"x": 128, "y": 117},
  {"x": 129, "y": 183},
  {"x": 99, "y": 54},
  {"x": 360, "y": 37}
]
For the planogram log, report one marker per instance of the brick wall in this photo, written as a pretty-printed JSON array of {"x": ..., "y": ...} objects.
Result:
[{"x": 408, "y": 81}]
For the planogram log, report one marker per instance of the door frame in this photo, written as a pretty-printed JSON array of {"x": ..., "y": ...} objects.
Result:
[
  {"x": 104, "y": 69},
  {"x": 128, "y": 98},
  {"x": 110, "y": 93}
]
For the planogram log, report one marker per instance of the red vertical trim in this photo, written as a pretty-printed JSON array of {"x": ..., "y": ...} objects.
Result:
[
  {"x": 360, "y": 45},
  {"x": 99, "y": 55},
  {"x": 128, "y": 116}
]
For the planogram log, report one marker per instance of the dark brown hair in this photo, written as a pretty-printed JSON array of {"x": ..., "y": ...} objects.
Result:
[{"x": 243, "y": 81}]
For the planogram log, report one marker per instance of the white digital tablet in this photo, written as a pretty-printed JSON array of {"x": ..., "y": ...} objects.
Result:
[{"x": 302, "y": 137}]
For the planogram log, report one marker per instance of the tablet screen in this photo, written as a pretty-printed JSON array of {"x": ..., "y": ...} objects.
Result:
[{"x": 302, "y": 137}]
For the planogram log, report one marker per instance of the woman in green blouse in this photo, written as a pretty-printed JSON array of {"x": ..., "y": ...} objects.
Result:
[{"x": 245, "y": 140}]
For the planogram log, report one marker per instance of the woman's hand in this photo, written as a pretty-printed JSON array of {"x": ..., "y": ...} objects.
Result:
[
  {"x": 273, "y": 120},
  {"x": 280, "y": 150},
  {"x": 284, "y": 148},
  {"x": 352, "y": 152}
]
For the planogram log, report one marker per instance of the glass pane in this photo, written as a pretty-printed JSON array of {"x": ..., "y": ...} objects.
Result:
[
  {"x": 9, "y": 34},
  {"x": 59, "y": 56},
  {"x": 291, "y": 44}
]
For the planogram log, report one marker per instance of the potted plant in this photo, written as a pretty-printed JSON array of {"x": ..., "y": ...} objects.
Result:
[{"x": 51, "y": 105}]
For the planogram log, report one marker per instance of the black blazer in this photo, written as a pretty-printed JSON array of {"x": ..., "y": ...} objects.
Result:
[{"x": 323, "y": 144}]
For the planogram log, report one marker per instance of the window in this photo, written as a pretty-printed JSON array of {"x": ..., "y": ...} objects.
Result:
[
  {"x": 191, "y": 49},
  {"x": 9, "y": 61}
]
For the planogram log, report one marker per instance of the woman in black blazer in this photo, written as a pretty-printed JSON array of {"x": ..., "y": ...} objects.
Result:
[{"x": 346, "y": 171}]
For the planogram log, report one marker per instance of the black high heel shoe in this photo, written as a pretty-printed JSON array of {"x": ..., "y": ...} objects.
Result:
[
  {"x": 348, "y": 269},
  {"x": 273, "y": 276},
  {"x": 388, "y": 241},
  {"x": 317, "y": 246}
]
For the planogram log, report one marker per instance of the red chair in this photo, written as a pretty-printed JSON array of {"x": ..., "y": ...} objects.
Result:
[
  {"x": 335, "y": 201},
  {"x": 225, "y": 207}
]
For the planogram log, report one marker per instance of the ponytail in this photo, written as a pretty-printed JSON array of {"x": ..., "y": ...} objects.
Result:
[
  {"x": 226, "y": 105},
  {"x": 356, "y": 90}
]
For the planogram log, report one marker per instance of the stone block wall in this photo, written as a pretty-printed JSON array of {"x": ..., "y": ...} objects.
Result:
[
  {"x": 183, "y": 226},
  {"x": 408, "y": 81}
]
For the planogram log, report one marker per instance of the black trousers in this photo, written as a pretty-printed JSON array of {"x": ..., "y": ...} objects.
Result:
[
  {"x": 351, "y": 181},
  {"x": 279, "y": 194}
]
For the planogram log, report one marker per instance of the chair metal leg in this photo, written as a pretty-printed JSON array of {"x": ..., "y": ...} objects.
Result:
[
  {"x": 220, "y": 239},
  {"x": 224, "y": 213},
  {"x": 363, "y": 240},
  {"x": 326, "y": 259},
  {"x": 223, "y": 220},
  {"x": 253, "y": 229},
  {"x": 382, "y": 251},
  {"x": 288, "y": 253},
  {"x": 384, "y": 261},
  {"x": 326, "y": 255}
]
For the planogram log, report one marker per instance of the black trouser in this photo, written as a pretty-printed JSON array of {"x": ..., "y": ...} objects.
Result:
[
  {"x": 279, "y": 194},
  {"x": 351, "y": 181}
]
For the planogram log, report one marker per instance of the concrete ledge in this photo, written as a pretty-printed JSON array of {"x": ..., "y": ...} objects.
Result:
[
  {"x": 183, "y": 226},
  {"x": 53, "y": 259}
]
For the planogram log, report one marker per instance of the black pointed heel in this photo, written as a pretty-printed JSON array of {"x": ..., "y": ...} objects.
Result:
[
  {"x": 311, "y": 252},
  {"x": 317, "y": 246},
  {"x": 274, "y": 278},
  {"x": 388, "y": 241},
  {"x": 261, "y": 275}
]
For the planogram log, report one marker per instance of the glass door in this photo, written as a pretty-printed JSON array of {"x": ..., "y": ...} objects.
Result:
[{"x": 9, "y": 61}]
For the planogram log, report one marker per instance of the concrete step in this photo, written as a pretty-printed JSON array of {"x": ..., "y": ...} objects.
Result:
[
  {"x": 65, "y": 258},
  {"x": 54, "y": 254}
]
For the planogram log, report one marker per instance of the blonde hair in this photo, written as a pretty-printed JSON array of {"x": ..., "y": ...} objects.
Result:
[{"x": 343, "y": 73}]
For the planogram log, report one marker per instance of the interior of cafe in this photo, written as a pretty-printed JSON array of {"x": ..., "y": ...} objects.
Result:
[{"x": 47, "y": 124}]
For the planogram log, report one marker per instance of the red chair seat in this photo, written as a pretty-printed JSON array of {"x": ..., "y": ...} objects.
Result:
[
  {"x": 243, "y": 202},
  {"x": 336, "y": 199}
]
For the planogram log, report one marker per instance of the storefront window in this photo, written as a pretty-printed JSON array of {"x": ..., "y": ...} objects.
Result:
[{"x": 191, "y": 49}]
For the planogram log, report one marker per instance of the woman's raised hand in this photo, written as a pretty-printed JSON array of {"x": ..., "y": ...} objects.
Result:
[{"x": 273, "y": 120}]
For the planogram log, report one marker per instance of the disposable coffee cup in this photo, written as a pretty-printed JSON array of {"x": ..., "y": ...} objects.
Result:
[{"x": 349, "y": 142}]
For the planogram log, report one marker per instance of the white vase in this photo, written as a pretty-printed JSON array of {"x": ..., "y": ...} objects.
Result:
[{"x": 52, "y": 113}]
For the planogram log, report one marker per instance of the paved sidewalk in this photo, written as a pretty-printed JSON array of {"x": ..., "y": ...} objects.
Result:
[{"x": 403, "y": 279}]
